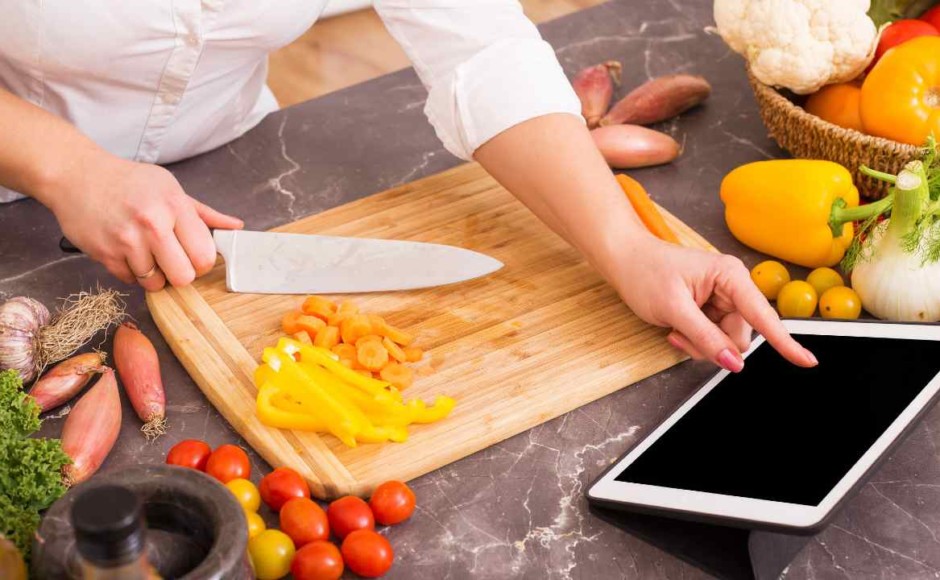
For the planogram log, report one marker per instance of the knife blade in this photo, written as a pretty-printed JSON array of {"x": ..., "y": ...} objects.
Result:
[{"x": 280, "y": 263}]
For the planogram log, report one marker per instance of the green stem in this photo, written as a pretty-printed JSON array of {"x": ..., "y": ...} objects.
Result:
[
  {"x": 841, "y": 214},
  {"x": 879, "y": 175},
  {"x": 911, "y": 194}
]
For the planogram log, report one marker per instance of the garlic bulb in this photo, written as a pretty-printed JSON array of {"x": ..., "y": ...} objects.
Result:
[{"x": 21, "y": 319}]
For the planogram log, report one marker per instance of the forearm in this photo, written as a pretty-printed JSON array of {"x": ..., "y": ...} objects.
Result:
[
  {"x": 37, "y": 148},
  {"x": 551, "y": 164}
]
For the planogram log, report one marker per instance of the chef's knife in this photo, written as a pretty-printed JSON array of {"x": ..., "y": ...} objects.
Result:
[{"x": 278, "y": 263}]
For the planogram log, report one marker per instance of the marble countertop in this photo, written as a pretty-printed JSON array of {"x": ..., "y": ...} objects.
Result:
[{"x": 517, "y": 509}]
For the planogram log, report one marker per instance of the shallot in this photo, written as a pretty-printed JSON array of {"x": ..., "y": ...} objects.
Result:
[
  {"x": 594, "y": 86},
  {"x": 631, "y": 146},
  {"x": 139, "y": 368},
  {"x": 91, "y": 429},
  {"x": 658, "y": 99},
  {"x": 65, "y": 380}
]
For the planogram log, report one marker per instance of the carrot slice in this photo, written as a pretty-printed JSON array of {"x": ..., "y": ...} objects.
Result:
[
  {"x": 367, "y": 338},
  {"x": 400, "y": 376},
  {"x": 290, "y": 323},
  {"x": 355, "y": 327},
  {"x": 394, "y": 350},
  {"x": 399, "y": 336},
  {"x": 344, "y": 351},
  {"x": 311, "y": 324},
  {"x": 413, "y": 354},
  {"x": 645, "y": 208},
  {"x": 337, "y": 319},
  {"x": 319, "y": 307},
  {"x": 303, "y": 336},
  {"x": 372, "y": 355},
  {"x": 348, "y": 307},
  {"x": 328, "y": 337}
]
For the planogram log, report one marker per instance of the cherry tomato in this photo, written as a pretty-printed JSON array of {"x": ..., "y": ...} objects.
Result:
[
  {"x": 367, "y": 553},
  {"x": 190, "y": 453},
  {"x": 822, "y": 279},
  {"x": 899, "y": 32},
  {"x": 228, "y": 462},
  {"x": 797, "y": 299},
  {"x": 770, "y": 276},
  {"x": 304, "y": 521},
  {"x": 318, "y": 560},
  {"x": 255, "y": 524},
  {"x": 281, "y": 485},
  {"x": 348, "y": 514},
  {"x": 246, "y": 493},
  {"x": 271, "y": 552},
  {"x": 932, "y": 17},
  {"x": 840, "y": 302},
  {"x": 392, "y": 503}
]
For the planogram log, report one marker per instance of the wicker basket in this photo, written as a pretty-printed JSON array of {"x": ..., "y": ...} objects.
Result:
[{"x": 808, "y": 136}]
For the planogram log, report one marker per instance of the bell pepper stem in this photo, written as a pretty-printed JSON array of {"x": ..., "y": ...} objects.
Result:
[
  {"x": 879, "y": 175},
  {"x": 841, "y": 214}
]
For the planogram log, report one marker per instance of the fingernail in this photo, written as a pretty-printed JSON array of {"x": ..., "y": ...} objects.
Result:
[
  {"x": 730, "y": 361},
  {"x": 811, "y": 357}
]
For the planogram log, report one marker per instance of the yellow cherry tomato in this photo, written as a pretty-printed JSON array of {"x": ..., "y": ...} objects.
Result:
[
  {"x": 797, "y": 299},
  {"x": 246, "y": 493},
  {"x": 255, "y": 524},
  {"x": 271, "y": 553},
  {"x": 822, "y": 279},
  {"x": 840, "y": 302},
  {"x": 770, "y": 276}
]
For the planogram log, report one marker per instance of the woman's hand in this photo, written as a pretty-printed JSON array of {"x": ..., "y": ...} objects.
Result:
[
  {"x": 136, "y": 219},
  {"x": 708, "y": 300}
]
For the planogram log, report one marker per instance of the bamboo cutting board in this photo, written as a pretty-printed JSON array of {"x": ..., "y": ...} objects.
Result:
[{"x": 541, "y": 337}]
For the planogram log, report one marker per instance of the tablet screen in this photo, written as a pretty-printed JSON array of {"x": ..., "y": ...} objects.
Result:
[{"x": 781, "y": 433}]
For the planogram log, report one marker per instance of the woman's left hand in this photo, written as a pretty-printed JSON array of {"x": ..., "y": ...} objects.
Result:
[{"x": 708, "y": 299}]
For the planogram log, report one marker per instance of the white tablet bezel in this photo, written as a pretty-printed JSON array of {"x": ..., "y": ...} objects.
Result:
[{"x": 772, "y": 513}]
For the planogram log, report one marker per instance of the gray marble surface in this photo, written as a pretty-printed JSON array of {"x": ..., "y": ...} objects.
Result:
[{"x": 516, "y": 509}]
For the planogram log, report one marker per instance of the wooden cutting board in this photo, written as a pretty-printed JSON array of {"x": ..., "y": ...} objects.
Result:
[{"x": 541, "y": 337}]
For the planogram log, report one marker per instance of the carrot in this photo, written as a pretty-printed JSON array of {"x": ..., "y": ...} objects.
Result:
[
  {"x": 328, "y": 337},
  {"x": 290, "y": 323},
  {"x": 413, "y": 354},
  {"x": 399, "y": 336},
  {"x": 367, "y": 338},
  {"x": 372, "y": 355},
  {"x": 311, "y": 324},
  {"x": 399, "y": 376},
  {"x": 646, "y": 209},
  {"x": 337, "y": 319},
  {"x": 344, "y": 351},
  {"x": 394, "y": 350},
  {"x": 303, "y": 336},
  {"x": 319, "y": 307},
  {"x": 348, "y": 307},
  {"x": 355, "y": 327}
]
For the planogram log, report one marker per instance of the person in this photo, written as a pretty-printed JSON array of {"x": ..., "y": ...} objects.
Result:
[{"x": 95, "y": 95}]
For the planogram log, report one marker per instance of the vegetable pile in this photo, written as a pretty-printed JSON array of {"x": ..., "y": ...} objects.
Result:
[{"x": 302, "y": 545}]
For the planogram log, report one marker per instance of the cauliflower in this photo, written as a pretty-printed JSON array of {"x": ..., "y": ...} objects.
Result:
[{"x": 799, "y": 44}]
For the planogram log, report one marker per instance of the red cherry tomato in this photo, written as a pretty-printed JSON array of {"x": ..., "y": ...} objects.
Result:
[
  {"x": 899, "y": 32},
  {"x": 317, "y": 561},
  {"x": 228, "y": 462},
  {"x": 932, "y": 17},
  {"x": 190, "y": 453},
  {"x": 348, "y": 514},
  {"x": 281, "y": 485},
  {"x": 367, "y": 553},
  {"x": 392, "y": 503},
  {"x": 304, "y": 521}
]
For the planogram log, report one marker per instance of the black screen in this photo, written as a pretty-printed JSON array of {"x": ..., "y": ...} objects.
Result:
[{"x": 782, "y": 433}]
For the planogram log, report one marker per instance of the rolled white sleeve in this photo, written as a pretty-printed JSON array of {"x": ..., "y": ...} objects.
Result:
[{"x": 484, "y": 64}]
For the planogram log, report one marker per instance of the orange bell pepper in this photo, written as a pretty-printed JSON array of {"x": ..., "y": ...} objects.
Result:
[
  {"x": 901, "y": 95},
  {"x": 837, "y": 104}
]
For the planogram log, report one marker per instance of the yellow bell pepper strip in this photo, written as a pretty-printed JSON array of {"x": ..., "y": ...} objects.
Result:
[
  {"x": 798, "y": 210},
  {"x": 338, "y": 417},
  {"x": 441, "y": 408},
  {"x": 379, "y": 410},
  {"x": 326, "y": 359},
  {"x": 273, "y": 416}
]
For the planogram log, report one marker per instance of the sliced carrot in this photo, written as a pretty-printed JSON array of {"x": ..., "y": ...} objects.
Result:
[
  {"x": 338, "y": 318},
  {"x": 303, "y": 336},
  {"x": 348, "y": 307},
  {"x": 377, "y": 321},
  {"x": 328, "y": 337},
  {"x": 367, "y": 338},
  {"x": 346, "y": 362},
  {"x": 319, "y": 307},
  {"x": 355, "y": 327},
  {"x": 311, "y": 324},
  {"x": 413, "y": 354},
  {"x": 399, "y": 376},
  {"x": 394, "y": 350},
  {"x": 399, "y": 336},
  {"x": 372, "y": 355},
  {"x": 645, "y": 208},
  {"x": 343, "y": 350},
  {"x": 290, "y": 323}
]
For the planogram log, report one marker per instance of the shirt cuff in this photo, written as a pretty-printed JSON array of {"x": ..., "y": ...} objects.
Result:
[{"x": 505, "y": 84}]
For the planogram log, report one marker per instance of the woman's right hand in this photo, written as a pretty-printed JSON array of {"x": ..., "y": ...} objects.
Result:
[{"x": 133, "y": 217}]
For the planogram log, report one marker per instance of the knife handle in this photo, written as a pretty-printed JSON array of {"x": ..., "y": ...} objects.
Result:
[{"x": 68, "y": 247}]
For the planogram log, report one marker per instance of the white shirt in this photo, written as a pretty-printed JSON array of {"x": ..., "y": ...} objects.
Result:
[{"x": 158, "y": 81}]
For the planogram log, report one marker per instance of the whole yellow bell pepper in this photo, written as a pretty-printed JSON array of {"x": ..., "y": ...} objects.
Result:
[{"x": 798, "y": 210}]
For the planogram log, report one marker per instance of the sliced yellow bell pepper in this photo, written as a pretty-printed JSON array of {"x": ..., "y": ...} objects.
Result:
[
  {"x": 273, "y": 416},
  {"x": 326, "y": 359},
  {"x": 423, "y": 414}
]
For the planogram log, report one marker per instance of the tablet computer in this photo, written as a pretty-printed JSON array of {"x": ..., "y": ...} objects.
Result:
[{"x": 780, "y": 447}]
